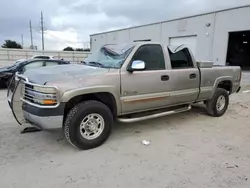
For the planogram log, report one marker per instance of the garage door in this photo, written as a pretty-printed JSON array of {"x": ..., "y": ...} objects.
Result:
[{"x": 189, "y": 41}]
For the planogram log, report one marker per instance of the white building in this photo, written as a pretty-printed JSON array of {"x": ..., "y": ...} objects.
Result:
[{"x": 222, "y": 36}]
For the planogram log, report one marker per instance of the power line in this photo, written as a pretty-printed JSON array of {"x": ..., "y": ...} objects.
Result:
[{"x": 85, "y": 44}]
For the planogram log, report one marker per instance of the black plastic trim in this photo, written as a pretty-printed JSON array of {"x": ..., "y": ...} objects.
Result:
[
  {"x": 238, "y": 90},
  {"x": 43, "y": 112}
]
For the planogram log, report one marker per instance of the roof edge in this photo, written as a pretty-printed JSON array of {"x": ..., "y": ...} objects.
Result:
[{"x": 174, "y": 19}]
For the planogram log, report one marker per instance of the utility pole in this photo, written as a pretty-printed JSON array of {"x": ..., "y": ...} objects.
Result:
[
  {"x": 42, "y": 30},
  {"x": 31, "y": 36},
  {"x": 22, "y": 39}
]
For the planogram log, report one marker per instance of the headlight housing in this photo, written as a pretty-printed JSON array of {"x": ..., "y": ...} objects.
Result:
[
  {"x": 49, "y": 90},
  {"x": 40, "y": 95}
]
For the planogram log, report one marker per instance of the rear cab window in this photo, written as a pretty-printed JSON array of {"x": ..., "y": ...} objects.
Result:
[
  {"x": 42, "y": 57},
  {"x": 51, "y": 63},
  {"x": 181, "y": 59}
]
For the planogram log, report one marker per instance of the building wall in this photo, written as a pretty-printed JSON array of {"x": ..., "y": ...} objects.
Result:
[
  {"x": 152, "y": 32},
  {"x": 228, "y": 21},
  {"x": 196, "y": 26},
  {"x": 9, "y": 56},
  {"x": 211, "y": 30}
]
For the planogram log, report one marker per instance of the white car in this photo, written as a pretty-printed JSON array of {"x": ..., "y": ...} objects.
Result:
[{"x": 43, "y": 57}]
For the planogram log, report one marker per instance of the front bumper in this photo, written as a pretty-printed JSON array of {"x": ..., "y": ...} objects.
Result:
[
  {"x": 44, "y": 118},
  {"x": 44, "y": 123}
]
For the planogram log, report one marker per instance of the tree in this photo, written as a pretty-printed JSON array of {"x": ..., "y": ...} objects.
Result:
[
  {"x": 79, "y": 49},
  {"x": 11, "y": 44},
  {"x": 68, "y": 49},
  {"x": 86, "y": 50}
]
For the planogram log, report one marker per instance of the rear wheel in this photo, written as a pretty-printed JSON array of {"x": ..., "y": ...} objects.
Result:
[
  {"x": 218, "y": 105},
  {"x": 88, "y": 124}
]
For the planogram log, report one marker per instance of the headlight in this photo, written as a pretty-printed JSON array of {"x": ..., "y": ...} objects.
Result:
[
  {"x": 48, "y": 90},
  {"x": 40, "y": 95}
]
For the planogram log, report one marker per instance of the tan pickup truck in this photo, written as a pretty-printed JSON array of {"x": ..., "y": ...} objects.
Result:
[{"x": 126, "y": 83}]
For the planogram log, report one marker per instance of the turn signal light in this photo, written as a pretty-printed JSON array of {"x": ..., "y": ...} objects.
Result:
[{"x": 49, "y": 102}]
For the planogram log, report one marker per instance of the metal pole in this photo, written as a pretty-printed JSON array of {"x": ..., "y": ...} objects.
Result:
[
  {"x": 31, "y": 36},
  {"x": 42, "y": 29},
  {"x": 22, "y": 39}
]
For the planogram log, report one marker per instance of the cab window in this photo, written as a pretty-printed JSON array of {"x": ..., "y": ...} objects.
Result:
[
  {"x": 181, "y": 59},
  {"x": 51, "y": 63},
  {"x": 32, "y": 65},
  {"x": 152, "y": 55}
]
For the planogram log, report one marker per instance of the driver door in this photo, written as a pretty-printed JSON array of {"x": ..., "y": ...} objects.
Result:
[{"x": 146, "y": 89}]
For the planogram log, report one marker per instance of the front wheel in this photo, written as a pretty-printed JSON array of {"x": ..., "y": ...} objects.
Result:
[
  {"x": 88, "y": 124},
  {"x": 217, "y": 106}
]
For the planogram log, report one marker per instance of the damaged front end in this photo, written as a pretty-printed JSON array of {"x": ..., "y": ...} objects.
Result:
[{"x": 32, "y": 103}]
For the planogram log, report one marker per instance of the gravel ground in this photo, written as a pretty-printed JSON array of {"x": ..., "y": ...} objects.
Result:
[{"x": 190, "y": 149}]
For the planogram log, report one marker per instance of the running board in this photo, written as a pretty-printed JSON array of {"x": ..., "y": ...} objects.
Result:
[{"x": 157, "y": 115}]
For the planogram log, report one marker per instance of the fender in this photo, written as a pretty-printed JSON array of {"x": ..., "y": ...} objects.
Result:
[
  {"x": 218, "y": 81},
  {"x": 67, "y": 95}
]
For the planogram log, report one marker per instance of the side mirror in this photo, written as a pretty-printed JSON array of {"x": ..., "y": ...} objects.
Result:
[{"x": 137, "y": 65}]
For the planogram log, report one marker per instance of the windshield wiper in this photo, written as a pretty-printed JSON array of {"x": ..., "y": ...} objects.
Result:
[{"x": 94, "y": 63}]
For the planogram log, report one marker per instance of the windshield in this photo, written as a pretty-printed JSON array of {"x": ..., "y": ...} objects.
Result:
[
  {"x": 110, "y": 56},
  {"x": 15, "y": 64}
]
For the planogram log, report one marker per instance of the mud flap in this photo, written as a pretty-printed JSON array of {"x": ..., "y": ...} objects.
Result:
[{"x": 14, "y": 100}]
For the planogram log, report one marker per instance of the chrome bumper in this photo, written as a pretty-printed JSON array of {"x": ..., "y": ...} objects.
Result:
[{"x": 44, "y": 123}]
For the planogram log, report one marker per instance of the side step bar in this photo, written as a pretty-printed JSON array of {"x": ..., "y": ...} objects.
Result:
[{"x": 157, "y": 115}]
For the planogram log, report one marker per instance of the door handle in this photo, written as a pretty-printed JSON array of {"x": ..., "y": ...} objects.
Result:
[
  {"x": 192, "y": 76},
  {"x": 164, "y": 77}
]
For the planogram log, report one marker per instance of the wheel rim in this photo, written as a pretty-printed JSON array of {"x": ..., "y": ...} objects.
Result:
[
  {"x": 92, "y": 126},
  {"x": 221, "y": 103}
]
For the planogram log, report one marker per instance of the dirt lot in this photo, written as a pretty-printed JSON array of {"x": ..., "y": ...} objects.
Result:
[{"x": 187, "y": 150}]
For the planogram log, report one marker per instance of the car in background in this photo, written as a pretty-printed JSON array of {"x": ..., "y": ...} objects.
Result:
[
  {"x": 20, "y": 60},
  {"x": 42, "y": 57},
  {"x": 6, "y": 73}
]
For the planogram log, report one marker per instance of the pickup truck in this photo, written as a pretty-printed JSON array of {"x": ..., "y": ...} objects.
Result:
[{"x": 126, "y": 83}]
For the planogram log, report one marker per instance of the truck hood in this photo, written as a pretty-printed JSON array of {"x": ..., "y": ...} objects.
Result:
[{"x": 62, "y": 73}]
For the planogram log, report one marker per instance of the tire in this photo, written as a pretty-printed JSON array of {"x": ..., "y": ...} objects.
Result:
[
  {"x": 213, "y": 108},
  {"x": 82, "y": 137}
]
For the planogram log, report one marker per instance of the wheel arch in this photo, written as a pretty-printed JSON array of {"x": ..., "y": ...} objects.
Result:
[
  {"x": 225, "y": 82},
  {"x": 106, "y": 98}
]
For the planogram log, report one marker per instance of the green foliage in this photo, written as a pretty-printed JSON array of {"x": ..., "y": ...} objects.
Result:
[
  {"x": 86, "y": 50},
  {"x": 77, "y": 49},
  {"x": 11, "y": 44},
  {"x": 68, "y": 49}
]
